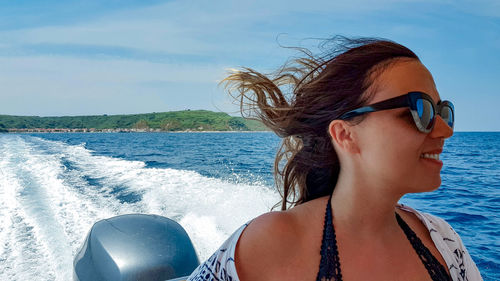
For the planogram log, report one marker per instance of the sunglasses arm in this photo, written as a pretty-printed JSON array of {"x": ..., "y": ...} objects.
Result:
[{"x": 396, "y": 102}]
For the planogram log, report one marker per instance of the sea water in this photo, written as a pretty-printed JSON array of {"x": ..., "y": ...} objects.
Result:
[{"x": 54, "y": 187}]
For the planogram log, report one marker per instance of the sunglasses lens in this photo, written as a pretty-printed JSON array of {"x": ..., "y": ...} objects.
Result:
[
  {"x": 425, "y": 113},
  {"x": 447, "y": 115}
]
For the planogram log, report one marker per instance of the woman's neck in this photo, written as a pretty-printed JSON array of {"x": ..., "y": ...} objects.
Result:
[{"x": 365, "y": 209}]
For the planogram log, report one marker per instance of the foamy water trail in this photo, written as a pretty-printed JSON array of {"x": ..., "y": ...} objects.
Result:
[{"x": 51, "y": 193}]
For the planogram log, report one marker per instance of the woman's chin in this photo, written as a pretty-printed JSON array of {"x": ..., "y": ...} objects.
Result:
[
  {"x": 427, "y": 186},
  {"x": 432, "y": 186}
]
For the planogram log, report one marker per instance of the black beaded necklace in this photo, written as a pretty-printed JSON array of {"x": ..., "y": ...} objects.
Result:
[{"x": 329, "y": 267}]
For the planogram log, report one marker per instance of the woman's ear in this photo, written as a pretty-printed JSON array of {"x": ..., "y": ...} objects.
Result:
[{"x": 343, "y": 136}]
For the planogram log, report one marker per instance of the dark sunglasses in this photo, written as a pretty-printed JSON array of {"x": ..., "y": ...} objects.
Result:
[{"x": 421, "y": 106}]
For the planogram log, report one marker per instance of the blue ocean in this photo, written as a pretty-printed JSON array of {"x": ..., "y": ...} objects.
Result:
[{"x": 54, "y": 187}]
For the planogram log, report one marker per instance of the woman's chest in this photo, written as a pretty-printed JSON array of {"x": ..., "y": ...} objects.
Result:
[
  {"x": 374, "y": 265},
  {"x": 358, "y": 263},
  {"x": 396, "y": 260}
]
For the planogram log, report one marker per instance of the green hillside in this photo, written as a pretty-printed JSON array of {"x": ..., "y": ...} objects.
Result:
[{"x": 192, "y": 120}]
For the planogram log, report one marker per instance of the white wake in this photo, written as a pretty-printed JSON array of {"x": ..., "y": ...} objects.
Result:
[{"x": 51, "y": 193}]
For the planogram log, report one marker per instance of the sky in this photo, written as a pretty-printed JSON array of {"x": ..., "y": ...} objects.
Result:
[{"x": 60, "y": 58}]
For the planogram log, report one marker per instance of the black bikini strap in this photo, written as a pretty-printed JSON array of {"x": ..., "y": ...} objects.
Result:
[
  {"x": 433, "y": 266},
  {"x": 329, "y": 267}
]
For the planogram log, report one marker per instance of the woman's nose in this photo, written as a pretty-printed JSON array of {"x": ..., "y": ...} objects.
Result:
[{"x": 441, "y": 129}]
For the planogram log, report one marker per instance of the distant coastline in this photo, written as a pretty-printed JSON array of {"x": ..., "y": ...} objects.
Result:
[
  {"x": 121, "y": 130},
  {"x": 173, "y": 121}
]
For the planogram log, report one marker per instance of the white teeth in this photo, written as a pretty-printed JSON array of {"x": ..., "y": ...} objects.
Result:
[{"x": 432, "y": 156}]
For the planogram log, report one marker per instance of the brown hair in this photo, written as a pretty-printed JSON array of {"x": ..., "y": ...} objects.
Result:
[{"x": 299, "y": 101}]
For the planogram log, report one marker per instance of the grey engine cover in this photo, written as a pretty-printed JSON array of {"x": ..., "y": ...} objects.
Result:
[{"x": 135, "y": 247}]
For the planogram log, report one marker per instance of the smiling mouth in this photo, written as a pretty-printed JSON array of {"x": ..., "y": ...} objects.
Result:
[{"x": 434, "y": 156}]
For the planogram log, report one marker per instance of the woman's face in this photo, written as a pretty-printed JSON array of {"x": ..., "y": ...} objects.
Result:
[{"x": 391, "y": 146}]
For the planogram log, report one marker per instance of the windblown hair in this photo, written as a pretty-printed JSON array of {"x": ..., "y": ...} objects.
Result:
[{"x": 299, "y": 101}]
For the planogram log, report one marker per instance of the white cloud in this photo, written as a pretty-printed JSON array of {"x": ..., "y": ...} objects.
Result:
[
  {"x": 62, "y": 85},
  {"x": 191, "y": 26},
  {"x": 228, "y": 33},
  {"x": 483, "y": 8}
]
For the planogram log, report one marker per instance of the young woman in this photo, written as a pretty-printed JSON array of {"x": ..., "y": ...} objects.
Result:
[{"x": 361, "y": 127}]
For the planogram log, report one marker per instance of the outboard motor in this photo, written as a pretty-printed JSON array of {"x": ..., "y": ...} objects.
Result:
[{"x": 135, "y": 247}]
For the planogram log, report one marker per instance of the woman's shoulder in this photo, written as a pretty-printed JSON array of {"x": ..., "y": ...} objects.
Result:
[
  {"x": 266, "y": 246},
  {"x": 278, "y": 244},
  {"x": 258, "y": 243},
  {"x": 449, "y": 244},
  {"x": 431, "y": 222},
  {"x": 434, "y": 224}
]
